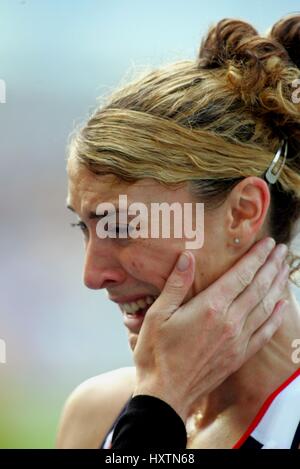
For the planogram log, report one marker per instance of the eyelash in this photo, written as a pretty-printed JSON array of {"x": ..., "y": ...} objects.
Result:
[
  {"x": 81, "y": 225},
  {"x": 84, "y": 228}
]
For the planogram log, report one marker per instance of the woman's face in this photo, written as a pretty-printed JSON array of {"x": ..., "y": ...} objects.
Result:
[{"x": 129, "y": 268}]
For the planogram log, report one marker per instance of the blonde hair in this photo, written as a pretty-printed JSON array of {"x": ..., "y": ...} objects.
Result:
[{"x": 209, "y": 122}]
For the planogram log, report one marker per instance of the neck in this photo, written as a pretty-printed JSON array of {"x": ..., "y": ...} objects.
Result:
[{"x": 246, "y": 389}]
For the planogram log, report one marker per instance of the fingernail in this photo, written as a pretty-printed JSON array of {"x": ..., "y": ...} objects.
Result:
[
  {"x": 183, "y": 262},
  {"x": 270, "y": 243}
]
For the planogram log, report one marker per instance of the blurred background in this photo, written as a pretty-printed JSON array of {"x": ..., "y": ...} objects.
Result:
[{"x": 56, "y": 58}]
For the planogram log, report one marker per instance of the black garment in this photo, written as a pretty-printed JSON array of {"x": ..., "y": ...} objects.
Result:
[
  {"x": 147, "y": 422},
  {"x": 137, "y": 426}
]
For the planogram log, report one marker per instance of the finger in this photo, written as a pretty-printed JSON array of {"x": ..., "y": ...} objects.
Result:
[
  {"x": 254, "y": 295},
  {"x": 176, "y": 286},
  {"x": 264, "y": 310},
  {"x": 263, "y": 335},
  {"x": 233, "y": 282}
]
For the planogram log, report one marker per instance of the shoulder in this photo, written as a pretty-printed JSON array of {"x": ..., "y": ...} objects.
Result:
[{"x": 92, "y": 407}]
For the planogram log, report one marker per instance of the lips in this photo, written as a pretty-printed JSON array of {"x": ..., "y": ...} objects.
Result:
[
  {"x": 134, "y": 321},
  {"x": 132, "y": 309},
  {"x": 129, "y": 299}
]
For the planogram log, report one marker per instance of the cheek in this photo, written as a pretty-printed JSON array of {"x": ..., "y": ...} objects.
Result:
[
  {"x": 210, "y": 265},
  {"x": 148, "y": 264},
  {"x": 137, "y": 265}
]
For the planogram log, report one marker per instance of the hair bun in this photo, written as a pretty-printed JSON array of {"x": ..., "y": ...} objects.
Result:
[
  {"x": 222, "y": 42},
  {"x": 235, "y": 42},
  {"x": 287, "y": 32},
  {"x": 259, "y": 70}
]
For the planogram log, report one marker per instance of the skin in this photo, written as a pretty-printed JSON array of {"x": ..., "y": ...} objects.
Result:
[{"x": 142, "y": 266}]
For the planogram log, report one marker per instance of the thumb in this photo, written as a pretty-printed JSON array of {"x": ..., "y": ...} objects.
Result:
[{"x": 176, "y": 286}]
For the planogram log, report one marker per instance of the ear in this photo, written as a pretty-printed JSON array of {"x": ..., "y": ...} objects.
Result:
[{"x": 246, "y": 208}]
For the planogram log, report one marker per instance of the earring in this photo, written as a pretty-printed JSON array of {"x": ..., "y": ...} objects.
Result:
[{"x": 237, "y": 240}]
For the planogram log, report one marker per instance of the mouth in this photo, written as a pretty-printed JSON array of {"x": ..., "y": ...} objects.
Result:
[{"x": 135, "y": 311}]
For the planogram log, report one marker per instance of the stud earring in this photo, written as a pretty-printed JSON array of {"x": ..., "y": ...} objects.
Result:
[{"x": 237, "y": 240}]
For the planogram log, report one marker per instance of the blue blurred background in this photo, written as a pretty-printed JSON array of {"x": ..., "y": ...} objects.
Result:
[{"x": 57, "y": 57}]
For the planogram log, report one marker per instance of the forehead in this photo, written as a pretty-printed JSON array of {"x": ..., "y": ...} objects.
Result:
[
  {"x": 81, "y": 180},
  {"x": 86, "y": 189}
]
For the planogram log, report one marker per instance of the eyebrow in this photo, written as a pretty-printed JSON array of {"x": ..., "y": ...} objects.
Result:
[{"x": 92, "y": 215}]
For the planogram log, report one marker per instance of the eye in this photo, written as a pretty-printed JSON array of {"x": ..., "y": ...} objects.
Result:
[
  {"x": 121, "y": 229},
  {"x": 117, "y": 230},
  {"x": 81, "y": 225}
]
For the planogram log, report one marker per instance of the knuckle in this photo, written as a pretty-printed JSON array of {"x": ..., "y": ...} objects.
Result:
[
  {"x": 268, "y": 306},
  {"x": 230, "y": 329},
  {"x": 175, "y": 283},
  {"x": 216, "y": 303},
  {"x": 262, "y": 286},
  {"x": 219, "y": 302},
  {"x": 261, "y": 256},
  {"x": 278, "y": 263},
  {"x": 244, "y": 276},
  {"x": 213, "y": 313},
  {"x": 174, "y": 291}
]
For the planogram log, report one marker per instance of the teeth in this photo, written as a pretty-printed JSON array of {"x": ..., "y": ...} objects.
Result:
[
  {"x": 142, "y": 303},
  {"x": 131, "y": 308},
  {"x": 150, "y": 299}
]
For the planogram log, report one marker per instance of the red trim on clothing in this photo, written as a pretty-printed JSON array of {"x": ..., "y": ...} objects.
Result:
[{"x": 264, "y": 409}]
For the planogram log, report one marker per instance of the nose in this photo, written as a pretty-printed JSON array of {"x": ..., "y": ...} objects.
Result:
[{"x": 102, "y": 269}]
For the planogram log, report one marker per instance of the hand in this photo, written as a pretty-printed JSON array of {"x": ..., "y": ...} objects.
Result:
[{"x": 185, "y": 351}]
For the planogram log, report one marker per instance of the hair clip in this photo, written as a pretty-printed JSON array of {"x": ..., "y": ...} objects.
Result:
[{"x": 271, "y": 176}]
